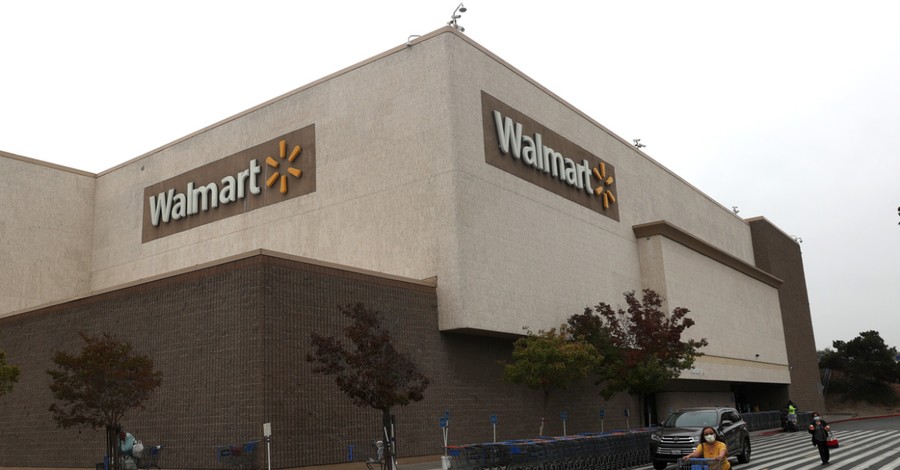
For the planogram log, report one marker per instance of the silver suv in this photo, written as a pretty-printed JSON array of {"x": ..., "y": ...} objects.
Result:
[{"x": 679, "y": 435}]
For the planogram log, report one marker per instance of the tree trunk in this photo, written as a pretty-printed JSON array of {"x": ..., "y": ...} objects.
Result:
[
  {"x": 642, "y": 402},
  {"x": 387, "y": 435},
  {"x": 111, "y": 448}
]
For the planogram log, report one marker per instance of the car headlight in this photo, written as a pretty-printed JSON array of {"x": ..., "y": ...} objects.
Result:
[
  {"x": 655, "y": 437},
  {"x": 695, "y": 438}
]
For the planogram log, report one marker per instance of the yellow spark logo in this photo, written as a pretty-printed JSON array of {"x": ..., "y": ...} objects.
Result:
[
  {"x": 276, "y": 176},
  {"x": 605, "y": 184}
]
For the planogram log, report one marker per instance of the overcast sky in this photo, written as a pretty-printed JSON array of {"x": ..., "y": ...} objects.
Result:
[{"x": 789, "y": 110}]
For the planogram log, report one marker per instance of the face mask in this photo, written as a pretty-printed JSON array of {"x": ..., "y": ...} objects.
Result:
[
  {"x": 710, "y": 438},
  {"x": 817, "y": 418}
]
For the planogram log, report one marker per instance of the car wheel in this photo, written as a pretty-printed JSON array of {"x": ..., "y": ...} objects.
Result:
[
  {"x": 659, "y": 464},
  {"x": 744, "y": 456}
]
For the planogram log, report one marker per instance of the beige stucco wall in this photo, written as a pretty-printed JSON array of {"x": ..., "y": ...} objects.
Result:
[
  {"x": 45, "y": 223},
  {"x": 382, "y": 140},
  {"x": 403, "y": 189},
  {"x": 667, "y": 402},
  {"x": 531, "y": 258},
  {"x": 737, "y": 314}
]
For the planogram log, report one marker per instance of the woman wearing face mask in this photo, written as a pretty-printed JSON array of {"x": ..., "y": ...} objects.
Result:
[
  {"x": 711, "y": 448},
  {"x": 819, "y": 430}
]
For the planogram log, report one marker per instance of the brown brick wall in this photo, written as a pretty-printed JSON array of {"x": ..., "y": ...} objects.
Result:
[
  {"x": 231, "y": 342},
  {"x": 201, "y": 332},
  {"x": 779, "y": 255}
]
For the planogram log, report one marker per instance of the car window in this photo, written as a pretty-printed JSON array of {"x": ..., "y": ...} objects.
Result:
[
  {"x": 731, "y": 416},
  {"x": 691, "y": 419}
]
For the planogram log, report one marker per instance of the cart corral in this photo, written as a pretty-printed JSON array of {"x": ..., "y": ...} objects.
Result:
[{"x": 610, "y": 450}]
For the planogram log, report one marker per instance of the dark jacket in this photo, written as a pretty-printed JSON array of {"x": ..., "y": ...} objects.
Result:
[{"x": 819, "y": 434}]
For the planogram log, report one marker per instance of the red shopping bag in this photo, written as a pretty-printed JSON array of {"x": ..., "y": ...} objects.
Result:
[{"x": 831, "y": 441}]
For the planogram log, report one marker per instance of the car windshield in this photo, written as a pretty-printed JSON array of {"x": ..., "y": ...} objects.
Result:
[{"x": 691, "y": 419}]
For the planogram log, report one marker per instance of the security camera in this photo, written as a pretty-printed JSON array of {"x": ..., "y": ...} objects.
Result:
[
  {"x": 457, "y": 14},
  {"x": 462, "y": 30}
]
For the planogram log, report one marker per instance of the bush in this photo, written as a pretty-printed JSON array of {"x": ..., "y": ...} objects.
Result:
[{"x": 864, "y": 389}]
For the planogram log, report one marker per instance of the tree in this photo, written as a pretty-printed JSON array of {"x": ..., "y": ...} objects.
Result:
[
  {"x": 866, "y": 367},
  {"x": 642, "y": 345},
  {"x": 97, "y": 387},
  {"x": 9, "y": 375},
  {"x": 369, "y": 370},
  {"x": 550, "y": 360}
]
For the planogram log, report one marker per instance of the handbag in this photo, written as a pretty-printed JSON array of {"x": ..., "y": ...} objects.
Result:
[{"x": 831, "y": 442}]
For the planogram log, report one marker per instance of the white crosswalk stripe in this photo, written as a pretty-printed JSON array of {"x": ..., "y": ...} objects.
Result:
[
  {"x": 857, "y": 456},
  {"x": 891, "y": 455},
  {"x": 859, "y": 450},
  {"x": 892, "y": 466}
]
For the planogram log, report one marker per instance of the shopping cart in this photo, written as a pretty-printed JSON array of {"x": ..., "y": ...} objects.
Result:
[
  {"x": 378, "y": 459},
  {"x": 149, "y": 457},
  {"x": 696, "y": 464},
  {"x": 239, "y": 457}
]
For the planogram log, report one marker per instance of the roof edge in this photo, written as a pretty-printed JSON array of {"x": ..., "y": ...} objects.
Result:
[
  {"x": 676, "y": 234},
  {"x": 428, "y": 282}
]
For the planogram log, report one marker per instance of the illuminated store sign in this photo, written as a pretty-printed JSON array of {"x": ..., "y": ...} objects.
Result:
[
  {"x": 269, "y": 173},
  {"x": 520, "y": 145}
]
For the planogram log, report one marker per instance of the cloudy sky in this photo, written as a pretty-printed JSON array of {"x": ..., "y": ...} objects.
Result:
[{"x": 785, "y": 109}]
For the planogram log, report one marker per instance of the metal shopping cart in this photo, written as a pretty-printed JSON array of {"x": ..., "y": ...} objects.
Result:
[
  {"x": 696, "y": 464},
  {"x": 378, "y": 459},
  {"x": 149, "y": 457},
  {"x": 239, "y": 457}
]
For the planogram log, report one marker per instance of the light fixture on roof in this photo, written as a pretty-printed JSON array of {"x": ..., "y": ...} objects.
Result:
[
  {"x": 735, "y": 210},
  {"x": 638, "y": 144},
  {"x": 796, "y": 239},
  {"x": 457, "y": 14}
]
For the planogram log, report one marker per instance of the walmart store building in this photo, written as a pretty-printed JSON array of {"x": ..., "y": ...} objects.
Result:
[{"x": 464, "y": 203}]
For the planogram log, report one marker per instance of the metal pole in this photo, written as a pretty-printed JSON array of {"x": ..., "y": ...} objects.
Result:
[{"x": 267, "y": 432}]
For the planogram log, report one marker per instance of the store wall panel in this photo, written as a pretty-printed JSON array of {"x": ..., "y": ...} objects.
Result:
[
  {"x": 46, "y": 221},
  {"x": 779, "y": 254}
]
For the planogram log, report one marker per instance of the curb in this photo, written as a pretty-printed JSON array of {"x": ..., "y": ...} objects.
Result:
[
  {"x": 772, "y": 432},
  {"x": 865, "y": 417}
]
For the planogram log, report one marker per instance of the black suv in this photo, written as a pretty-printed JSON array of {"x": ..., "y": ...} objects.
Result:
[{"x": 679, "y": 435}]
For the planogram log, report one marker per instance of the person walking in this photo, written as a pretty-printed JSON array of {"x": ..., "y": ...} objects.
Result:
[
  {"x": 819, "y": 430},
  {"x": 711, "y": 448}
]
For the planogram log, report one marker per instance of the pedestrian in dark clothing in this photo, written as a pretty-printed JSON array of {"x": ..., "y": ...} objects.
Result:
[{"x": 819, "y": 430}]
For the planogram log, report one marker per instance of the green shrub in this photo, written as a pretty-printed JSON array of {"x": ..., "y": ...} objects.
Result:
[{"x": 864, "y": 389}]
